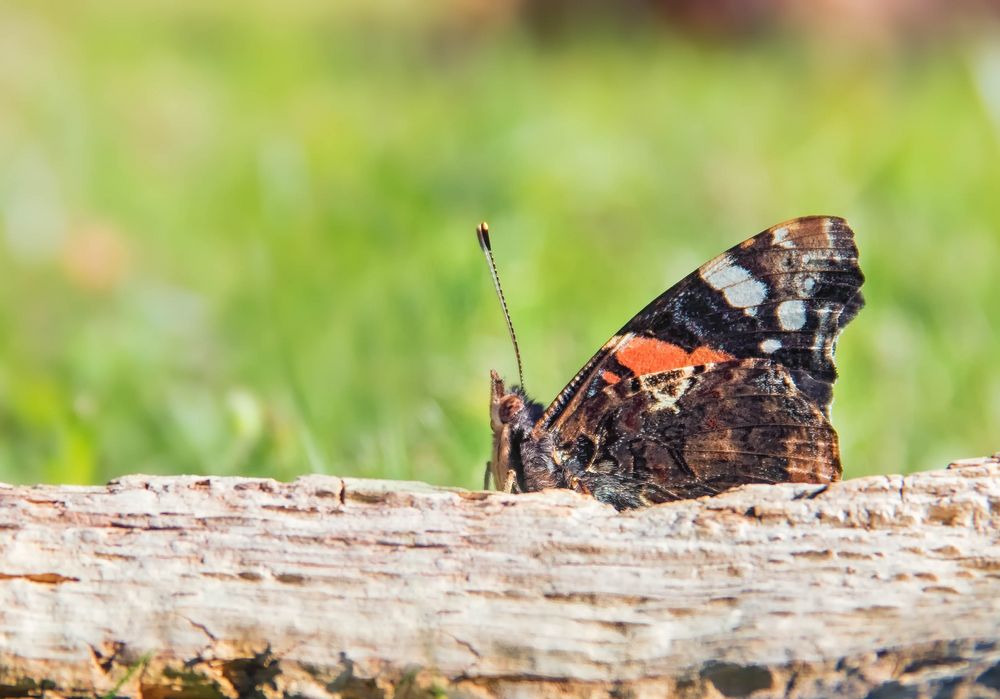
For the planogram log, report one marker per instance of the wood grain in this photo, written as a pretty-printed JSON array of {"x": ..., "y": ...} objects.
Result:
[{"x": 231, "y": 587}]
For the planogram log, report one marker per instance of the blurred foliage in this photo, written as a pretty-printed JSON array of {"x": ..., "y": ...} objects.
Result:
[{"x": 239, "y": 238}]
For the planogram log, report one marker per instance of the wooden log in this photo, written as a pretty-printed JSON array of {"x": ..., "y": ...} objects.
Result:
[{"x": 194, "y": 587}]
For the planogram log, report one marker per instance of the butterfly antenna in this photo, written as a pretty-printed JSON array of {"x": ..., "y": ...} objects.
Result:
[{"x": 483, "y": 232}]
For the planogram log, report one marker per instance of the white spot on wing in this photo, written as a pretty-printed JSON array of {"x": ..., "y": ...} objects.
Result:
[
  {"x": 666, "y": 394},
  {"x": 770, "y": 345},
  {"x": 736, "y": 284},
  {"x": 779, "y": 237},
  {"x": 792, "y": 315},
  {"x": 808, "y": 284},
  {"x": 827, "y": 226},
  {"x": 746, "y": 294},
  {"x": 825, "y": 332}
]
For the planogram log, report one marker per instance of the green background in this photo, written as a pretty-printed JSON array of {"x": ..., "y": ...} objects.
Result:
[{"x": 238, "y": 238}]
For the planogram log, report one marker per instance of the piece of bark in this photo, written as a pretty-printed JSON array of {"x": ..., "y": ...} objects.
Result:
[{"x": 232, "y": 587}]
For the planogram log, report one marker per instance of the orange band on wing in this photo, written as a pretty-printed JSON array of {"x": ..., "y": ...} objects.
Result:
[
  {"x": 610, "y": 377},
  {"x": 647, "y": 355}
]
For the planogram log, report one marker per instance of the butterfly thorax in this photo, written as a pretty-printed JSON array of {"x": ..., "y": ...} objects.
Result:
[{"x": 521, "y": 462}]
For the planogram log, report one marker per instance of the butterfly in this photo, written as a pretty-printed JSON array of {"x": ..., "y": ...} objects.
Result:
[{"x": 724, "y": 379}]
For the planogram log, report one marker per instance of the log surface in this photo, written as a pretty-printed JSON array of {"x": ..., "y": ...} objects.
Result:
[{"x": 231, "y": 587}]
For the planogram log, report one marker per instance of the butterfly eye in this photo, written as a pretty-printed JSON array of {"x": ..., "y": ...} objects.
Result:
[{"x": 510, "y": 406}]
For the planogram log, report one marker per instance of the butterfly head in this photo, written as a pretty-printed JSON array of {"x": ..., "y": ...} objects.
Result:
[{"x": 512, "y": 415}]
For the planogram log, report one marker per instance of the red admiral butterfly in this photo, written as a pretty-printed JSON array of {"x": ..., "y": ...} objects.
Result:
[{"x": 724, "y": 379}]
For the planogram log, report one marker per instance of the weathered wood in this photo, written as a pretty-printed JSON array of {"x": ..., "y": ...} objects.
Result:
[{"x": 239, "y": 587}]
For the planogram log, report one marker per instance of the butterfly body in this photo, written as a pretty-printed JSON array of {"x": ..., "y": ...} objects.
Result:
[{"x": 726, "y": 378}]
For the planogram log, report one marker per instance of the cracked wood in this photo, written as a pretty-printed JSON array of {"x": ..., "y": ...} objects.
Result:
[{"x": 328, "y": 586}]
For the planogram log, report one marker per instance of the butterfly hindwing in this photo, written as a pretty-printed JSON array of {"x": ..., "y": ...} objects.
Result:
[{"x": 697, "y": 431}]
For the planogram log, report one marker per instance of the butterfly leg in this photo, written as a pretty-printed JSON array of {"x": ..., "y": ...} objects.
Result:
[{"x": 510, "y": 484}]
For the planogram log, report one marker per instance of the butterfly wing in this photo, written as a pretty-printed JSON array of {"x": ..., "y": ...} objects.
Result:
[
  {"x": 696, "y": 431},
  {"x": 784, "y": 295}
]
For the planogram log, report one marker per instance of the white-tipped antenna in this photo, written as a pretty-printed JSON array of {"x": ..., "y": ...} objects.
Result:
[{"x": 483, "y": 232}]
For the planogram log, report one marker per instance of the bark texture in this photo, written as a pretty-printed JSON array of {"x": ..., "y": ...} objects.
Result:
[{"x": 195, "y": 587}]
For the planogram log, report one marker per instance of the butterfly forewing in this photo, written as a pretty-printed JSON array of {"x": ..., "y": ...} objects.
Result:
[{"x": 784, "y": 295}]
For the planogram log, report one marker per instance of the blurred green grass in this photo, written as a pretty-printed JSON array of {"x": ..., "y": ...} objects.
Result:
[{"x": 238, "y": 239}]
